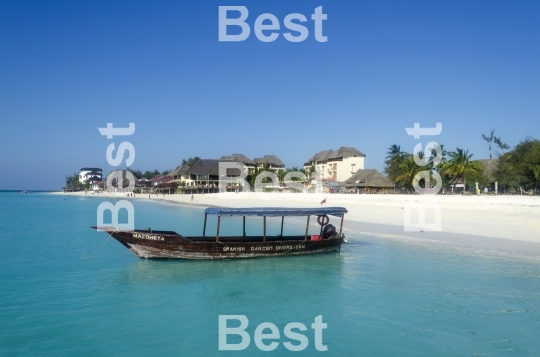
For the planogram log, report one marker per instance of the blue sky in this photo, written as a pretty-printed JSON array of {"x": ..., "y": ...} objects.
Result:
[{"x": 67, "y": 68}]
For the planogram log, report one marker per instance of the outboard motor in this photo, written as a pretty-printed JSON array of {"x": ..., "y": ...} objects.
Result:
[{"x": 329, "y": 231}]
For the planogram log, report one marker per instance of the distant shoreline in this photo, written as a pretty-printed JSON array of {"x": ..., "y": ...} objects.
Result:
[
  {"x": 40, "y": 191},
  {"x": 486, "y": 223}
]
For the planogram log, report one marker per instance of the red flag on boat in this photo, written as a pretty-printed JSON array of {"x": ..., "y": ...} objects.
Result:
[{"x": 323, "y": 201}]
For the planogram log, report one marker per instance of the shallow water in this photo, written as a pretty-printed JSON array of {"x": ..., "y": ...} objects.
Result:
[{"x": 379, "y": 297}]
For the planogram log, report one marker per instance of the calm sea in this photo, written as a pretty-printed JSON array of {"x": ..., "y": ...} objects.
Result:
[{"x": 378, "y": 297}]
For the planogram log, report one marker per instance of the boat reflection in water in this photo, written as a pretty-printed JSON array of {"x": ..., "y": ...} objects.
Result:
[{"x": 327, "y": 269}]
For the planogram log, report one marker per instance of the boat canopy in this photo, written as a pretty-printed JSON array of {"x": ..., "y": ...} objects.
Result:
[{"x": 276, "y": 211}]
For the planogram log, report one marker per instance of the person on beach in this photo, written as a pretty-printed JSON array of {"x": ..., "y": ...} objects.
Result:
[{"x": 192, "y": 198}]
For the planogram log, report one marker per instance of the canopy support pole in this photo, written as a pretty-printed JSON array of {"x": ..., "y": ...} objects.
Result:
[
  {"x": 282, "y": 219},
  {"x": 204, "y": 227},
  {"x": 341, "y": 225},
  {"x": 264, "y": 225},
  {"x": 307, "y": 227},
  {"x": 244, "y": 226},
  {"x": 217, "y": 233}
]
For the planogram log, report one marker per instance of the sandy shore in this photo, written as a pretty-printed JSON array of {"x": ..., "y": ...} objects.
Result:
[{"x": 498, "y": 223}]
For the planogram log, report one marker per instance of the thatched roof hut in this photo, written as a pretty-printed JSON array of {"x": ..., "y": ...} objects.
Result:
[
  {"x": 178, "y": 172},
  {"x": 368, "y": 178},
  {"x": 204, "y": 167},
  {"x": 271, "y": 160},
  {"x": 326, "y": 155},
  {"x": 321, "y": 156},
  {"x": 345, "y": 151},
  {"x": 209, "y": 167},
  {"x": 239, "y": 158}
]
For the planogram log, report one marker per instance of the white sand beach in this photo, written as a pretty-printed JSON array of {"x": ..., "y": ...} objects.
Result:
[{"x": 495, "y": 223}]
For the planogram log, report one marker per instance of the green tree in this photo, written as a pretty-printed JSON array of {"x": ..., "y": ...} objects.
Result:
[
  {"x": 282, "y": 173},
  {"x": 504, "y": 173},
  {"x": 521, "y": 166},
  {"x": 407, "y": 171},
  {"x": 258, "y": 170},
  {"x": 498, "y": 142},
  {"x": 502, "y": 146},
  {"x": 149, "y": 174},
  {"x": 394, "y": 151},
  {"x": 393, "y": 164},
  {"x": 442, "y": 161},
  {"x": 489, "y": 139},
  {"x": 481, "y": 177},
  {"x": 191, "y": 161},
  {"x": 136, "y": 173},
  {"x": 72, "y": 180},
  {"x": 308, "y": 171},
  {"x": 460, "y": 165},
  {"x": 439, "y": 167}
]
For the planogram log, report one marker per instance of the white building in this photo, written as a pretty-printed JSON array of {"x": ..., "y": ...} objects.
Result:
[
  {"x": 90, "y": 174},
  {"x": 336, "y": 165}
]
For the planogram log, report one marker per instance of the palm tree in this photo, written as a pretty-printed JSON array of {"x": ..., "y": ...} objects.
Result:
[
  {"x": 439, "y": 168},
  {"x": 394, "y": 159},
  {"x": 281, "y": 174},
  {"x": 489, "y": 140},
  {"x": 408, "y": 169},
  {"x": 308, "y": 171},
  {"x": 394, "y": 152},
  {"x": 460, "y": 165},
  {"x": 434, "y": 155}
]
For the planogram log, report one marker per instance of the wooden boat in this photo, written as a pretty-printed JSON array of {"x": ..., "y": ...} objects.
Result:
[{"x": 152, "y": 244}]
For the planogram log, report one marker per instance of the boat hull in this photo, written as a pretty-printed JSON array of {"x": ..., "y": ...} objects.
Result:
[{"x": 169, "y": 245}]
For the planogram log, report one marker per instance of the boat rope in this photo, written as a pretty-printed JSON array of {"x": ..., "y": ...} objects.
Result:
[
  {"x": 110, "y": 235},
  {"x": 220, "y": 242}
]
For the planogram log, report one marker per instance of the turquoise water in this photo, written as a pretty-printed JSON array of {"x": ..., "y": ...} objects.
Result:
[{"x": 378, "y": 297}]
